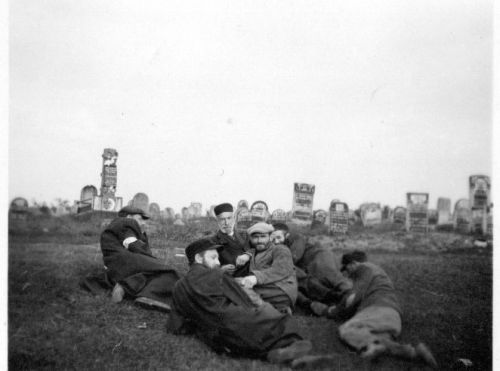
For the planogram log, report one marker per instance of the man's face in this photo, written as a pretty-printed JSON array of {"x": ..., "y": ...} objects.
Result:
[
  {"x": 225, "y": 221},
  {"x": 260, "y": 240},
  {"x": 210, "y": 259},
  {"x": 351, "y": 267},
  {"x": 278, "y": 237},
  {"x": 138, "y": 218}
]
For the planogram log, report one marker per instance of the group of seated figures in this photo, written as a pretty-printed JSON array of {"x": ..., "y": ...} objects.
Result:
[{"x": 239, "y": 294}]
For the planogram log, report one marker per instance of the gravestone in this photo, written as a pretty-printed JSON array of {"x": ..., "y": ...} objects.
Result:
[
  {"x": 479, "y": 220},
  {"x": 302, "y": 203},
  {"x": 278, "y": 216},
  {"x": 154, "y": 210},
  {"x": 462, "y": 216},
  {"x": 399, "y": 215},
  {"x": 443, "y": 209},
  {"x": 109, "y": 176},
  {"x": 371, "y": 214},
  {"x": 386, "y": 213},
  {"x": 259, "y": 211},
  {"x": 432, "y": 216},
  {"x": 141, "y": 200},
  {"x": 197, "y": 209},
  {"x": 479, "y": 191},
  {"x": 243, "y": 220},
  {"x": 489, "y": 222},
  {"x": 88, "y": 195},
  {"x": 184, "y": 213},
  {"x": 170, "y": 213},
  {"x": 339, "y": 217},
  {"x": 242, "y": 204},
  {"x": 18, "y": 209},
  {"x": 416, "y": 212}
]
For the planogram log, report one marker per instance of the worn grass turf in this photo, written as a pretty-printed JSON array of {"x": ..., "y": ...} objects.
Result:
[{"x": 54, "y": 324}]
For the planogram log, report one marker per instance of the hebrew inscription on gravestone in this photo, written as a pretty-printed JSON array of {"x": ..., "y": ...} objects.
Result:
[
  {"x": 339, "y": 217},
  {"x": 302, "y": 202}
]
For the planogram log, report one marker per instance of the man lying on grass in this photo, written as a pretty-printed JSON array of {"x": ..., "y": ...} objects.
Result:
[
  {"x": 211, "y": 304},
  {"x": 318, "y": 274},
  {"x": 130, "y": 264},
  {"x": 373, "y": 313}
]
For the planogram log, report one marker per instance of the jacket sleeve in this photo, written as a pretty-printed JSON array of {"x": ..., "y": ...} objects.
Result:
[
  {"x": 281, "y": 267},
  {"x": 298, "y": 247},
  {"x": 139, "y": 246}
]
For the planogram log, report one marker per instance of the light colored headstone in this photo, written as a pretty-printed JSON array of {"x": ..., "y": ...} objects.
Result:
[
  {"x": 259, "y": 211},
  {"x": 184, "y": 213},
  {"x": 170, "y": 213},
  {"x": 278, "y": 216},
  {"x": 197, "y": 209},
  {"x": 443, "y": 209},
  {"x": 302, "y": 202},
  {"x": 141, "y": 200},
  {"x": 243, "y": 220},
  {"x": 371, "y": 214},
  {"x": 339, "y": 217},
  {"x": 399, "y": 215},
  {"x": 259, "y": 205},
  {"x": 416, "y": 212},
  {"x": 88, "y": 193},
  {"x": 154, "y": 210},
  {"x": 479, "y": 191},
  {"x": 18, "y": 209},
  {"x": 462, "y": 216}
]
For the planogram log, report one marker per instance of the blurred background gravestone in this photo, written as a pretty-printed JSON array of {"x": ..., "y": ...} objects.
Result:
[
  {"x": 243, "y": 221},
  {"x": 479, "y": 196},
  {"x": 259, "y": 211},
  {"x": 462, "y": 216},
  {"x": 371, "y": 214},
  {"x": 278, "y": 216},
  {"x": 416, "y": 212},
  {"x": 154, "y": 211},
  {"x": 242, "y": 204},
  {"x": 443, "y": 209},
  {"x": 399, "y": 215},
  {"x": 170, "y": 213},
  {"x": 18, "y": 209},
  {"x": 339, "y": 217},
  {"x": 196, "y": 209},
  {"x": 302, "y": 203},
  {"x": 141, "y": 200},
  {"x": 87, "y": 196},
  {"x": 184, "y": 213}
]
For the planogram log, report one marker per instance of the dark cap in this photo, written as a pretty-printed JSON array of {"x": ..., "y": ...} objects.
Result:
[
  {"x": 355, "y": 256},
  {"x": 223, "y": 208},
  {"x": 130, "y": 210},
  {"x": 199, "y": 246}
]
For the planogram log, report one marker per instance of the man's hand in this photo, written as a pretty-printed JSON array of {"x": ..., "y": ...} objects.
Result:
[
  {"x": 229, "y": 268},
  {"x": 242, "y": 259},
  {"x": 248, "y": 281}
]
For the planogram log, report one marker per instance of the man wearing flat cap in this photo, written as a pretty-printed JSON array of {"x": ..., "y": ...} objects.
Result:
[
  {"x": 272, "y": 273},
  {"x": 130, "y": 264},
  {"x": 211, "y": 304},
  {"x": 232, "y": 254}
]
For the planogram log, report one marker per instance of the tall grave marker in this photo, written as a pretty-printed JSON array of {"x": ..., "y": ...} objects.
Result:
[
  {"x": 443, "y": 209},
  {"x": 339, "y": 217},
  {"x": 302, "y": 203},
  {"x": 416, "y": 212}
]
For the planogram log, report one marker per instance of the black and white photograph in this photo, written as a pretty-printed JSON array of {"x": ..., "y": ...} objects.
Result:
[{"x": 249, "y": 185}]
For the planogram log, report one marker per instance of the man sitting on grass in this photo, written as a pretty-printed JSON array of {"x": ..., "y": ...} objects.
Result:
[
  {"x": 319, "y": 278},
  {"x": 130, "y": 264},
  {"x": 373, "y": 313},
  {"x": 272, "y": 274},
  {"x": 210, "y": 303}
]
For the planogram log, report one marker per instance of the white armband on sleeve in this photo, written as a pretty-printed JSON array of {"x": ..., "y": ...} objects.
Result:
[{"x": 127, "y": 241}]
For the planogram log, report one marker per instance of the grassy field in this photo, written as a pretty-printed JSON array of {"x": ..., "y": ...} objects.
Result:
[{"x": 446, "y": 295}]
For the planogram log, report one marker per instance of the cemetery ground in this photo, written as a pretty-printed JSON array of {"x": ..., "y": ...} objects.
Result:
[{"x": 444, "y": 284}]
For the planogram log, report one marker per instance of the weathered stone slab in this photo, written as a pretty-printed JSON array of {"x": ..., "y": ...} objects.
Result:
[
  {"x": 169, "y": 213},
  {"x": 462, "y": 216},
  {"x": 243, "y": 220},
  {"x": 259, "y": 211},
  {"x": 443, "y": 209},
  {"x": 302, "y": 202},
  {"x": 479, "y": 191},
  {"x": 278, "y": 216},
  {"x": 154, "y": 210},
  {"x": 399, "y": 215},
  {"x": 339, "y": 217},
  {"x": 432, "y": 216},
  {"x": 416, "y": 212},
  {"x": 371, "y": 214},
  {"x": 242, "y": 204},
  {"x": 196, "y": 209},
  {"x": 141, "y": 200},
  {"x": 184, "y": 213}
]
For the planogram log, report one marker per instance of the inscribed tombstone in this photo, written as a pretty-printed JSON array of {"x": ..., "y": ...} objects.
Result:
[
  {"x": 462, "y": 216},
  {"x": 302, "y": 203},
  {"x": 479, "y": 191},
  {"x": 19, "y": 208},
  {"x": 339, "y": 217},
  {"x": 416, "y": 212},
  {"x": 243, "y": 220},
  {"x": 278, "y": 216},
  {"x": 242, "y": 204}
]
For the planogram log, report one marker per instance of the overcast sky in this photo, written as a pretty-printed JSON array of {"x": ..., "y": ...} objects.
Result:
[{"x": 221, "y": 101}]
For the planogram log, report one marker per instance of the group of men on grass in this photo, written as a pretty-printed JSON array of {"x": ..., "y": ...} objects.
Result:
[{"x": 239, "y": 293}]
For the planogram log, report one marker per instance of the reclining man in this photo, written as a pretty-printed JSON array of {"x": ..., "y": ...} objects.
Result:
[
  {"x": 210, "y": 303},
  {"x": 130, "y": 264},
  {"x": 232, "y": 255},
  {"x": 373, "y": 313},
  {"x": 319, "y": 278},
  {"x": 272, "y": 274}
]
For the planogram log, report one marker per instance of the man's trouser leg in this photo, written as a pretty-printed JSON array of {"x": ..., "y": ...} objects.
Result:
[
  {"x": 275, "y": 296},
  {"x": 157, "y": 286}
]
